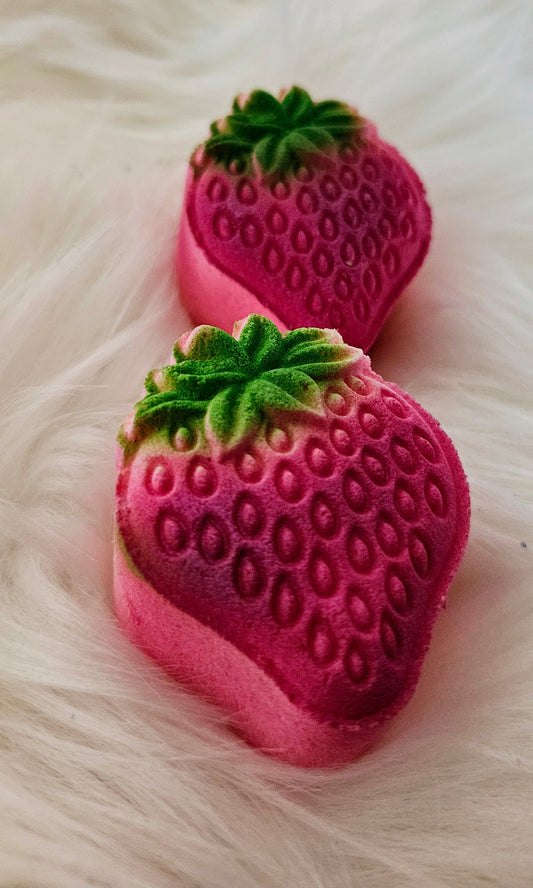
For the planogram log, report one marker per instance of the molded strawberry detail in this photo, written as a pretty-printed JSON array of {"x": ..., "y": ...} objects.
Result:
[
  {"x": 288, "y": 527},
  {"x": 298, "y": 210}
]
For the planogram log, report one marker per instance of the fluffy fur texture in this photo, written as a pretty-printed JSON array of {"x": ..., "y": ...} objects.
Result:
[{"x": 111, "y": 774}]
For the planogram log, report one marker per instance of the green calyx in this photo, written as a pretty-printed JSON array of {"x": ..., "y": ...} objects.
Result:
[
  {"x": 281, "y": 134},
  {"x": 234, "y": 385}
]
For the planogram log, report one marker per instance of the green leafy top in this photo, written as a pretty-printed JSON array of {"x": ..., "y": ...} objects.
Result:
[
  {"x": 231, "y": 386},
  {"x": 279, "y": 134}
]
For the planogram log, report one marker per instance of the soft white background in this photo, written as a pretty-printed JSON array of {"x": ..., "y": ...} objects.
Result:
[{"x": 110, "y": 775}]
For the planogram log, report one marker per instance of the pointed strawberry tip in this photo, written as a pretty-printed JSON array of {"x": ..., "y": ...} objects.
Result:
[
  {"x": 188, "y": 340},
  {"x": 239, "y": 326},
  {"x": 199, "y": 156},
  {"x": 335, "y": 337},
  {"x": 127, "y": 431}
]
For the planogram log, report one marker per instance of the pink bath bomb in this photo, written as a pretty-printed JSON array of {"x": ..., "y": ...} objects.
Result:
[
  {"x": 299, "y": 211},
  {"x": 288, "y": 525}
]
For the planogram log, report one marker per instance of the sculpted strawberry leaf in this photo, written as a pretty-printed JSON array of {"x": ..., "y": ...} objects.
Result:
[
  {"x": 290, "y": 390},
  {"x": 262, "y": 343},
  {"x": 233, "y": 414},
  {"x": 320, "y": 360},
  {"x": 206, "y": 342},
  {"x": 310, "y": 334},
  {"x": 165, "y": 410},
  {"x": 297, "y": 103}
]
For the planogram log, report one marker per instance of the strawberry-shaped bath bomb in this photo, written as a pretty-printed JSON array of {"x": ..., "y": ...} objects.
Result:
[
  {"x": 299, "y": 211},
  {"x": 288, "y": 525}
]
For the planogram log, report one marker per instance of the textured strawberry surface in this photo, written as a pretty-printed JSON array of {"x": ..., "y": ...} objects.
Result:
[
  {"x": 332, "y": 246},
  {"x": 322, "y": 551}
]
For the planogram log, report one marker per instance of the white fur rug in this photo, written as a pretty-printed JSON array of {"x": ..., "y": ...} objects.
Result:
[{"x": 110, "y": 774}]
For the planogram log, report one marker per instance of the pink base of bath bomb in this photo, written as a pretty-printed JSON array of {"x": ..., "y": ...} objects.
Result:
[
  {"x": 208, "y": 293},
  {"x": 259, "y": 709}
]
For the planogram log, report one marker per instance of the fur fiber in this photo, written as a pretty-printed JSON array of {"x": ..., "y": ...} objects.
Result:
[{"x": 110, "y": 773}]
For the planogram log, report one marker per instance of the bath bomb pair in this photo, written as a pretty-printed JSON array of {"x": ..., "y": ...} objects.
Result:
[{"x": 288, "y": 524}]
